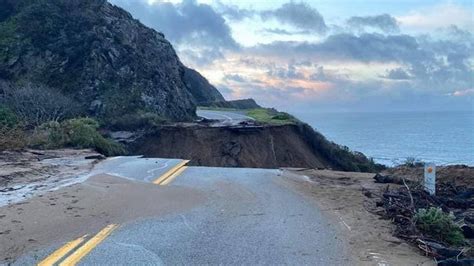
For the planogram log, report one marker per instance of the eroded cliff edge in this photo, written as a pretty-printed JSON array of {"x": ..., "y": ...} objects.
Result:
[{"x": 270, "y": 146}]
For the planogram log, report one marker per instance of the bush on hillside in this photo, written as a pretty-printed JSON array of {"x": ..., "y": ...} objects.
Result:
[
  {"x": 136, "y": 121},
  {"x": 34, "y": 105},
  {"x": 12, "y": 138},
  {"x": 7, "y": 118},
  {"x": 11, "y": 134},
  {"x": 77, "y": 133},
  {"x": 439, "y": 225},
  {"x": 412, "y": 162}
]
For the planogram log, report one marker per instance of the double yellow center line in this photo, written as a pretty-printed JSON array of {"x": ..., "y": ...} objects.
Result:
[
  {"x": 72, "y": 252},
  {"x": 170, "y": 175}
]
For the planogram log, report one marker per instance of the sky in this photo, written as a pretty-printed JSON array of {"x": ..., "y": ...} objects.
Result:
[{"x": 327, "y": 55}]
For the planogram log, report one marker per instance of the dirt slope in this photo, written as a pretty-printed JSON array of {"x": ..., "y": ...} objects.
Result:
[{"x": 262, "y": 147}]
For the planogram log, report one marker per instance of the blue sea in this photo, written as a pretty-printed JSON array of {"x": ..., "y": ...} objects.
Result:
[{"x": 390, "y": 138}]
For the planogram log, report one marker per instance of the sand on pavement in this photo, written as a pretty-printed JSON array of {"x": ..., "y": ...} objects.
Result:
[{"x": 70, "y": 212}]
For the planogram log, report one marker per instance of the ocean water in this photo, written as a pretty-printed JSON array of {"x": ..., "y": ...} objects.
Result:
[{"x": 391, "y": 137}]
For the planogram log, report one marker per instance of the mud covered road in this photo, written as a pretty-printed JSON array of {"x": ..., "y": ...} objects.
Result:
[{"x": 135, "y": 211}]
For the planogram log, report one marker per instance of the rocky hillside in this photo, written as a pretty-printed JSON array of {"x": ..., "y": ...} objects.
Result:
[{"x": 98, "y": 56}]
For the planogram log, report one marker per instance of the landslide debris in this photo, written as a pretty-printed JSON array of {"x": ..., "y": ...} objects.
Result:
[{"x": 441, "y": 225}]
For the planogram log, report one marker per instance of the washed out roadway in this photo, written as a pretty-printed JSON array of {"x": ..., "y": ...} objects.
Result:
[
  {"x": 224, "y": 117},
  {"x": 248, "y": 216}
]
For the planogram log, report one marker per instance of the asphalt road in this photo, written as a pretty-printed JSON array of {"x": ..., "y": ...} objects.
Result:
[
  {"x": 224, "y": 117},
  {"x": 249, "y": 216}
]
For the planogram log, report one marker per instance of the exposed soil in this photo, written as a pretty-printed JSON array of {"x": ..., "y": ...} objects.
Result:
[
  {"x": 250, "y": 146},
  {"x": 343, "y": 195}
]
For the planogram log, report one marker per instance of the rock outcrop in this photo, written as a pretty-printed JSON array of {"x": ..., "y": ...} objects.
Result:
[{"x": 99, "y": 56}]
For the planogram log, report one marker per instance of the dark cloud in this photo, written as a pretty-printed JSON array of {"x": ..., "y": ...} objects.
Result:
[
  {"x": 289, "y": 72},
  {"x": 300, "y": 15},
  {"x": 454, "y": 32},
  {"x": 366, "y": 48},
  {"x": 233, "y": 12},
  {"x": 278, "y": 31},
  {"x": 235, "y": 77},
  {"x": 384, "y": 22},
  {"x": 283, "y": 31},
  {"x": 397, "y": 74},
  {"x": 201, "y": 56},
  {"x": 185, "y": 22}
]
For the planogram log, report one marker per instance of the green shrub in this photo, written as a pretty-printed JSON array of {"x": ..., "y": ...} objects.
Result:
[
  {"x": 282, "y": 116},
  {"x": 49, "y": 135},
  {"x": 136, "y": 121},
  {"x": 78, "y": 133},
  {"x": 412, "y": 162},
  {"x": 439, "y": 225},
  {"x": 7, "y": 118}
]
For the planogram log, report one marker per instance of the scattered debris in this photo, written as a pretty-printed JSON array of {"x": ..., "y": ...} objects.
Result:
[
  {"x": 95, "y": 157},
  {"x": 387, "y": 179},
  {"x": 453, "y": 206}
]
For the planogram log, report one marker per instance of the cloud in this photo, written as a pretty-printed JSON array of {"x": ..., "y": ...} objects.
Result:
[
  {"x": 289, "y": 72},
  {"x": 348, "y": 70},
  {"x": 183, "y": 23},
  {"x": 433, "y": 17},
  {"x": 397, "y": 74},
  {"x": 278, "y": 31},
  {"x": 384, "y": 22},
  {"x": 460, "y": 93},
  {"x": 299, "y": 15},
  {"x": 319, "y": 74},
  {"x": 345, "y": 46},
  {"x": 235, "y": 77},
  {"x": 233, "y": 12}
]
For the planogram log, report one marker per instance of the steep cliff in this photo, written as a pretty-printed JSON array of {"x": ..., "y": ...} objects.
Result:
[{"x": 99, "y": 56}]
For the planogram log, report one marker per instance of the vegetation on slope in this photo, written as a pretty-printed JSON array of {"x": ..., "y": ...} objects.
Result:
[
  {"x": 75, "y": 133},
  {"x": 271, "y": 116},
  {"x": 16, "y": 133}
]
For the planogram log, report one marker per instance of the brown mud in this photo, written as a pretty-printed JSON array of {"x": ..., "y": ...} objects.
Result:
[{"x": 65, "y": 214}]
